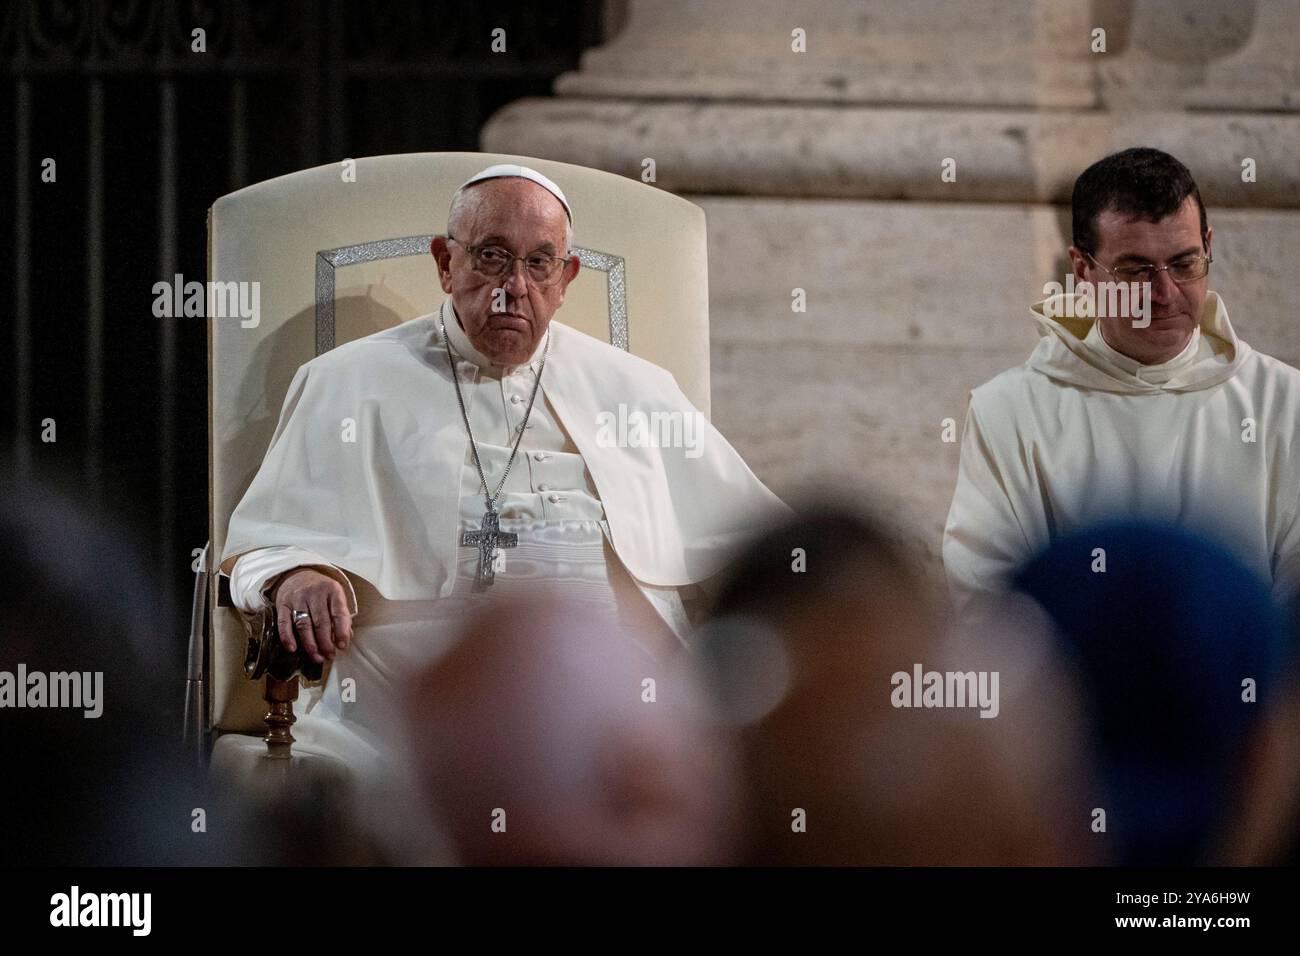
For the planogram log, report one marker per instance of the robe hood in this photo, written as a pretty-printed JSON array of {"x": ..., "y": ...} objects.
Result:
[{"x": 1063, "y": 355}]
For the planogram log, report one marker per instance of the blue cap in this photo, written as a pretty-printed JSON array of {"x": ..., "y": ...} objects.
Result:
[{"x": 1164, "y": 639}]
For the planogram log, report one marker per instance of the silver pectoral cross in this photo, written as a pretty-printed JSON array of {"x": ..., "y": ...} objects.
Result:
[{"x": 488, "y": 539}]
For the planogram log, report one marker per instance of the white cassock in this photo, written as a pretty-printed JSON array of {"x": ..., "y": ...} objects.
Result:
[
  {"x": 616, "y": 529},
  {"x": 1081, "y": 432}
]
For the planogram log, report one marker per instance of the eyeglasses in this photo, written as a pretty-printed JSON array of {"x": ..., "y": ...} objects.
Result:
[
  {"x": 493, "y": 261},
  {"x": 1186, "y": 269}
]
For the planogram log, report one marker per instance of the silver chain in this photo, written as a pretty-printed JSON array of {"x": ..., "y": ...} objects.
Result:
[{"x": 451, "y": 359}]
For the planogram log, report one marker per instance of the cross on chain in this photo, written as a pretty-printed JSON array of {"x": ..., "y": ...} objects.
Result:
[{"x": 488, "y": 539}]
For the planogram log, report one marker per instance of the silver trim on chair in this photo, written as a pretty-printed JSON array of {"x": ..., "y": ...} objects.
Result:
[
  {"x": 614, "y": 266},
  {"x": 329, "y": 260}
]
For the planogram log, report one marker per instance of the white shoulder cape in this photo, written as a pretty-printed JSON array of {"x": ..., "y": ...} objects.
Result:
[{"x": 386, "y": 506}]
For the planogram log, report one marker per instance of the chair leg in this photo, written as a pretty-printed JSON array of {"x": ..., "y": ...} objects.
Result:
[{"x": 195, "y": 725}]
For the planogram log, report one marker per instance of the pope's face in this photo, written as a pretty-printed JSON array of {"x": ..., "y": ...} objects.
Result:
[
  {"x": 1175, "y": 308},
  {"x": 506, "y": 316}
]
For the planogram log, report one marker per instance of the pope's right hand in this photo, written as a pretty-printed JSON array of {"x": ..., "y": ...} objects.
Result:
[{"x": 329, "y": 628}]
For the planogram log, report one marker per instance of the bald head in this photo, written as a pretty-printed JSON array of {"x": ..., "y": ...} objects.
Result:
[{"x": 577, "y": 745}]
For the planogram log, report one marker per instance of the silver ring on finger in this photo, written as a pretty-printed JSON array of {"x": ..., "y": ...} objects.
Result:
[{"x": 300, "y": 616}]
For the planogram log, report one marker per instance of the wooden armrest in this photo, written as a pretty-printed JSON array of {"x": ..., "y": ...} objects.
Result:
[{"x": 265, "y": 657}]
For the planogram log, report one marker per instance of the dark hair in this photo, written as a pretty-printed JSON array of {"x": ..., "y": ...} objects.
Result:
[
  {"x": 759, "y": 580},
  {"x": 1142, "y": 182}
]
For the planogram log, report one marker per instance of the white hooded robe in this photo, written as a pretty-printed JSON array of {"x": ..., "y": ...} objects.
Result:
[{"x": 1209, "y": 440}]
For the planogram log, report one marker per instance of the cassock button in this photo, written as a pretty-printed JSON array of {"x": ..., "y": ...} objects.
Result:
[
  {"x": 543, "y": 487},
  {"x": 515, "y": 399},
  {"x": 540, "y": 456},
  {"x": 554, "y": 498}
]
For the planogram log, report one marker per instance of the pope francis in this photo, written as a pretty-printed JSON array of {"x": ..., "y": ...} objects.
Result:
[
  {"x": 1157, "y": 411},
  {"x": 465, "y": 454}
]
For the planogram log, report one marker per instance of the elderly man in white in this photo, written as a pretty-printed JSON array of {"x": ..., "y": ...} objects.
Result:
[{"x": 461, "y": 455}]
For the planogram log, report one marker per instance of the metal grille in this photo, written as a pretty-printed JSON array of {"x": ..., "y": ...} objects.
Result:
[{"x": 122, "y": 134}]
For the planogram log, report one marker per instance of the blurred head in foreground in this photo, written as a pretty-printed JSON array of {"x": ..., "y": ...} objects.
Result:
[
  {"x": 1187, "y": 667},
  {"x": 548, "y": 738},
  {"x": 808, "y": 650},
  {"x": 94, "y": 772}
]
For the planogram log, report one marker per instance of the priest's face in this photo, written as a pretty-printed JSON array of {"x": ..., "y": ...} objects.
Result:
[
  {"x": 1175, "y": 308},
  {"x": 505, "y": 316}
]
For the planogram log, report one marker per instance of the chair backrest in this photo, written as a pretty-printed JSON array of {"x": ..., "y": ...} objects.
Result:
[{"x": 341, "y": 251}]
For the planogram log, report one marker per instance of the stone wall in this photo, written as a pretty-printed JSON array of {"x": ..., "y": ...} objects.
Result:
[{"x": 821, "y": 170}]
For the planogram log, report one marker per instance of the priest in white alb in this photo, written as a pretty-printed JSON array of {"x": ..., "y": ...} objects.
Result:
[
  {"x": 470, "y": 454},
  {"x": 1149, "y": 406}
]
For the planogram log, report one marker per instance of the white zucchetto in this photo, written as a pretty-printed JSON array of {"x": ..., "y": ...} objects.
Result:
[{"x": 506, "y": 170}]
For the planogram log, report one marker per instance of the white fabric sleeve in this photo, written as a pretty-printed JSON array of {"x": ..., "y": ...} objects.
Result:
[
  {"x": 667, "y": 602},
  {"x": 255, "y": 569},
  {"x": 983, "y": 538}
]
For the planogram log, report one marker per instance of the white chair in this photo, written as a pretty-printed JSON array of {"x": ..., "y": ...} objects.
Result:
[{"x": 341, "y": 251}]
